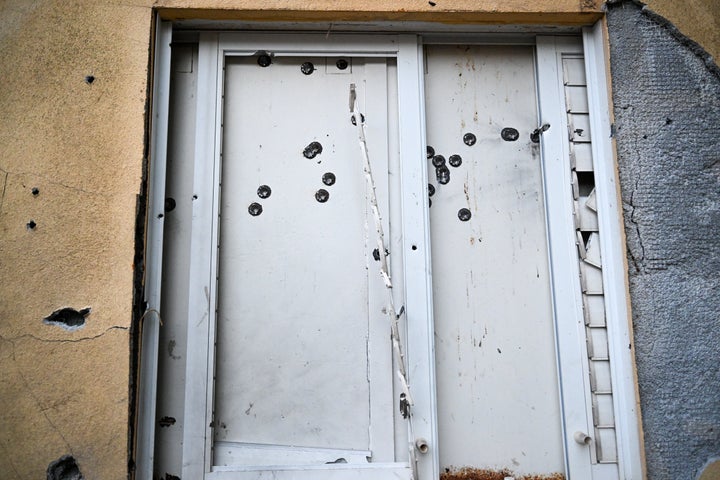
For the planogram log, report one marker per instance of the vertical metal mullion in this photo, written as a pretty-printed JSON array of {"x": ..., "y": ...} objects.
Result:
[
  {"x": 416, "y": 253},
  {"x": 566, "y": 296},
  {"x": 150, "y": 325},
  {"x": 201, "y": 313}
]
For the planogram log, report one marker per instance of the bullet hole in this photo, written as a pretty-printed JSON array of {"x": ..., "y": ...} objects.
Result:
[
  {"x": 438, "y": 161},
  {"x": 89, "y": 79},
  {"x": 354, "y": 122},
  {"x": 31, "y": 225},
  {"x": 499, "y": 351},
  {"x": 195, "y": 197},
  {"x": 307, "y": 68},
  {"x": 376, "y": 255},
  {"x": 264, "y": 60},
  {"x": 414, "y": 247},
  {"x": 328, "y": 179},
  {"x": 509, "y": 134},
  {"x": 455, "y": 160},
  {"x": 35, "y": 191},
  {"x": 342, "y": 64},
  {"x": 264, "y": 191},
  {"x": 464, "y": 214},
  {"x": 167, "y": 421},
  {"x": 668, "y": 121},
  {"x": 443, "y": 175},
  {"x": 322, "y": 195},
  {"x": 64, "y": 468},
  {"x": 579, "y": 131},
  {"x": 430, "y": 152},
  {"x": 160, "y": 215},
  {"x": 535, "y": 135},
  {"x": 469, "y": 139},
  {"x": 170, "y": 204},
  {"x": 67, "y": 318},
  {"x": 431, "y": 189},
  {"x": 432, "y": 4},
  {"x": 312, "y": 150},
  {"x": 255, "y": 209}
]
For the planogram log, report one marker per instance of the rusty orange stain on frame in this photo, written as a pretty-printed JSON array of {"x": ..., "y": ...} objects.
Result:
[{"x": 469, "y": 473}]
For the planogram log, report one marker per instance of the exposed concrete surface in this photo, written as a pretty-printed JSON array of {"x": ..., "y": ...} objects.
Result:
[{"x": 667, "y": 113}]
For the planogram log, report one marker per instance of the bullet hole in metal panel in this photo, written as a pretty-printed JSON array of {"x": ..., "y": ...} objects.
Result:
[
  {"x": 64, "y": 468},
  {"x": 414, "y": 247},
  {"x": 35, "y": 191},
  {"x": 499, "y": 351},
  {"x": 376, "y": 254},
  {"x": 89, "y": 79},
  {"x": 264, "y": 60},
  {"x": 438, "y": 161},
  {"x": 443, "y": 175},
  {"x": 328, "y": 179},
  {"x": 430, "y": 152},
  {"x": 455, "y": 160},
  {"x": 312, "y": 150},
  {"x": 264, "y": 191},
  {"x": 354, "y": 122},
  {"x": 255, "y": 209},
  {"x": 469, "y": 139},
  {"x": 170, "y": 204},
  {"x": 322, "y": 195},
  {"x": 195, "y": 197},
  {"x": 509, "y": 134},
  {"x": 342, "y": 64},
  {"x": 464, "y": 214},
  {"x": 431, "y": 189},
  {"x": 31, "y": 225},
  {"x": 160, "y": 215},
  {"x": 579, "y": 131},
  {"x": 307, "y": 68},
  {"x": 167, "y": 421},
  {"x": 67, "y": 318}
]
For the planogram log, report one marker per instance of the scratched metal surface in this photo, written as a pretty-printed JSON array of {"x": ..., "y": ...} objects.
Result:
[{"x": 495, "y": 357}]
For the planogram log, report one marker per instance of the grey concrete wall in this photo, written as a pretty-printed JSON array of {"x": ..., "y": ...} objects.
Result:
[{"x": 667, "y": 116}]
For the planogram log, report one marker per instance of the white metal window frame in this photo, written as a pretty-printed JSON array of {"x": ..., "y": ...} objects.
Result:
[{"x": 568, "y": 315}]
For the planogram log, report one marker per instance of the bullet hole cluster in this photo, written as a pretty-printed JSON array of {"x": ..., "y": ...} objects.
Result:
[{"x": 442, "y": 172}]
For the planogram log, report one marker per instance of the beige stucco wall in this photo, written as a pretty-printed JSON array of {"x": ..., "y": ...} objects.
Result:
[{"x": 82, "y": 145}]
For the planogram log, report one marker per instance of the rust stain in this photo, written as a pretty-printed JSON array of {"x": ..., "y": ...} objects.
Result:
[{"x": 468, "y": 473}]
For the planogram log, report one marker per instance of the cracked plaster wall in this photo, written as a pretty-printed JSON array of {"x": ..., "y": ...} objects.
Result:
[
  {"x": 667, "y": 118},
  {"x": 82, "y": 146}
]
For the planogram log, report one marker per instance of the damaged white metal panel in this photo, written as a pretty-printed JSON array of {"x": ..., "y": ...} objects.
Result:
[
  {"x": 150, "y": 322},
  {"x": 626, "y": 409},
  {"x": 498, "y": 400}
]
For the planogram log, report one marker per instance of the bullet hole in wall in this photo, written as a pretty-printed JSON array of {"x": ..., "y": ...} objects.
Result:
[
  {"x": 313, "y": 150},
  {"x": 464, "y": 214},
  {"x": 89, "y": 79},
  {"x": 329, "y": 179},
  {"x": 255, "y": 209},
  {"x": 322, "y": 195},
  {"x": 509, "y": 134},
  {"x": 264, "y": 60},
  {"x": 68, "y": 318},
  {"x": 307, "y": 68},
  {"x": 31, "y": 225},
  {"x": 167, "y": 421},
  {"x": 438, "y": 161},
  {"x": 35, "y": 191},
  {"x": 264, "y": 191},
  {"x": 432, "y": 4},
  {"x": 64, "y": 468}
]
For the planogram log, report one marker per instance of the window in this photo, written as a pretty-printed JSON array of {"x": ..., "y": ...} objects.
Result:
[{"x": 298, "y": 165}]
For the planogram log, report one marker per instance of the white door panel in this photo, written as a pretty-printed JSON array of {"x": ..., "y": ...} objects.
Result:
[{"x": 498, "y": 401}]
